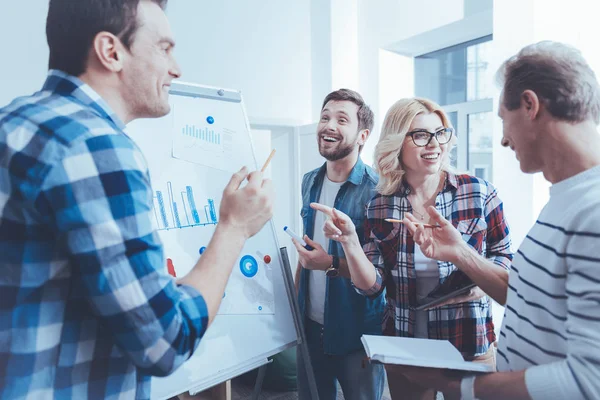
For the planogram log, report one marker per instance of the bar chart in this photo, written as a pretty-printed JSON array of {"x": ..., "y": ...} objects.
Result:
[
  {"x": 180, "y": 210},
  {"x": 204, "y": 134}
]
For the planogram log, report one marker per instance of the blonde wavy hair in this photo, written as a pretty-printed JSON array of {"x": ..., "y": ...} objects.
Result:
[{"x": 397, "y": 122}]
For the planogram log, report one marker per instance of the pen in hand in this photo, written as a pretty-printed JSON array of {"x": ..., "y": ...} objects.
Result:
[
  {"x": 268, "y": 161},
  {"x": 416, "y": 223},
  {"x": 295, "y": 236}
]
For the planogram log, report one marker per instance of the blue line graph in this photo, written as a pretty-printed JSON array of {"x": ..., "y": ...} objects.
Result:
[
  {"x": 183, "y": 212},
  {"x": 204, "y": 134}
]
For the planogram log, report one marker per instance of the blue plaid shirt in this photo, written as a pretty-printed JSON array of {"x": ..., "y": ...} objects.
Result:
[{"x": 87, "y": 309}]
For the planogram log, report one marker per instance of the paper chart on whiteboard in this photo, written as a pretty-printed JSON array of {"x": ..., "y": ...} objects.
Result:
[
  {"x": 202, "y": 139},
  {"x": 185, "y": 215}
]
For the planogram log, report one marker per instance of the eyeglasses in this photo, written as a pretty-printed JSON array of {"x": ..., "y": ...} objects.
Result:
[{"x": 422, "y": 138}]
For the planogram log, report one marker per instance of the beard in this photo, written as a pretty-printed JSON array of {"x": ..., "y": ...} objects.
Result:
[
  {"x": 337, "y": 153},
  {"x": 343, "y": 149}
]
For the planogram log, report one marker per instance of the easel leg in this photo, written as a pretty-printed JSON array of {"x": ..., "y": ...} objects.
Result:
[
  {"x": 312, "y": 382},
  {"x": 302, "y": 344},
  {"x": 262, "y": 370}
]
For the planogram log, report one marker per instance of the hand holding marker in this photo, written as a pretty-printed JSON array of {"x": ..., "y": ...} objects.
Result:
[{"x": 294, "y": 235}]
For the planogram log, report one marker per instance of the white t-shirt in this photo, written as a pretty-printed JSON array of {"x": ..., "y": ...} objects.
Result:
[
  {"x": 317, "y": 282},
  {"x": 428, "y": 277}
]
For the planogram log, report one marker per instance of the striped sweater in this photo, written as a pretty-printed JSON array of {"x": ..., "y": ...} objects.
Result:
[{"x": 551, "y": 325}]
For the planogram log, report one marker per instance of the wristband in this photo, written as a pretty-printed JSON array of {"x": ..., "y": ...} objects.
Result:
[{"x": 467, "y": 388}]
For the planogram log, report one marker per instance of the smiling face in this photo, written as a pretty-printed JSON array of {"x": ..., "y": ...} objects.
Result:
[
  {"x": 149, "y": 66},
  {"x": 337, "y": 132},
  {"x": 429, "y": 159},
  {"x": 519, "y": 133}
]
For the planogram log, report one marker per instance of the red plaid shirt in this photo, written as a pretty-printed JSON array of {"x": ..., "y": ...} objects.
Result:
[{"x": 473, "y": 207}]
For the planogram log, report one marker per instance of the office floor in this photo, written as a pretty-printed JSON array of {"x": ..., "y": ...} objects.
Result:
[{"x": 241, "y": 391}]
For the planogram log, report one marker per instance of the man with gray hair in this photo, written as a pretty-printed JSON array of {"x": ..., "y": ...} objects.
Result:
[{"x": 550, "y": 345}]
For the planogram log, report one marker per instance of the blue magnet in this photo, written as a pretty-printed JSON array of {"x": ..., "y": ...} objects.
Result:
[
  {"x": 210, "y": 120},
  {"x": 259, "y": 308},
  {"x": 248, "y": 266},
  {"x": 202, "y": 250}
]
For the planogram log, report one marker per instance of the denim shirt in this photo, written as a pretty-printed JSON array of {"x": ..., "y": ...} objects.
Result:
[{"x": 348, "y": 315}]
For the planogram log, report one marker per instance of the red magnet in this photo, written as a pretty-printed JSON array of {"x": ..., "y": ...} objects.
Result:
[
  {"x": 267, "y": 259},
  {"x": 171, "y": 268}
]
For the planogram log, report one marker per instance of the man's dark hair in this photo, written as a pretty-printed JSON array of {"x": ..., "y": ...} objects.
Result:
[
  {"x": 366, "y": 118},
  {"x": 72, "y": 25}
]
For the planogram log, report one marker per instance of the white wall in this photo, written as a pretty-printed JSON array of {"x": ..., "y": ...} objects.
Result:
[
  {"x": 262, "y": 48},
  {"x": 573, "y": 23},
  {"x": 287, "y": 188},
  {"x": 344, "y": 44},
  {"x": 396, "y": 80},
  {"x": 476, "y": 6},
  {"x": 382, "y": 23},
  {"x": 512, "y": 31},
  {"x": 321, "y": 60},
  {"x": 25, "y": 54},
  {"x": 334, "y": 41}
]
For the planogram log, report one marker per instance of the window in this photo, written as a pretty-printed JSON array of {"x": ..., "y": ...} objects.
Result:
[
  {"x": 480, "y": 78},
  {"x": 480, "y": 144},
  {"x": 456, "y": 74},
  {"x": 459, "y": 79}
]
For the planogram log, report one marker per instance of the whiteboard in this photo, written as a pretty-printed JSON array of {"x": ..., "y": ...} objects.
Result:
[{"x": 192, "y": 153}]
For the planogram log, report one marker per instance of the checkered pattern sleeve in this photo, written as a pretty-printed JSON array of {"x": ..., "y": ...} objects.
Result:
[
  {"x": 498, "y": 246},
  {"x": 374, "y": 256},
  {"x": 100, "y": 199}
]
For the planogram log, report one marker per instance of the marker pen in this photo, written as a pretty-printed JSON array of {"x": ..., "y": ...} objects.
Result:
[{"x": 298, "y": 238}]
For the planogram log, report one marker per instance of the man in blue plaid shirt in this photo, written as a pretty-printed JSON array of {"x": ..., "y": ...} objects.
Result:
[{"x": 86, "y": 307}]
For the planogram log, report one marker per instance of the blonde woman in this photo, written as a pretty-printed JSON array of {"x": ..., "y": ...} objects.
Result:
[{"x": 412, "y": 159}]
